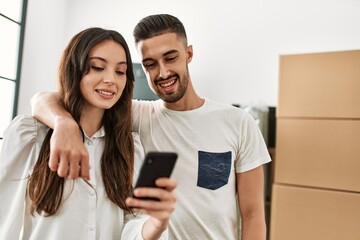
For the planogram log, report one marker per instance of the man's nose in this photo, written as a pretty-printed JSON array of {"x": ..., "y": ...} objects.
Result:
[{"x": 164, "y": 71}]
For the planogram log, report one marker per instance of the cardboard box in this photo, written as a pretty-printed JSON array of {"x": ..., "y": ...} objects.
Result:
[
  {"x": 318, "y": 153},
  {"x": 320, "y": 85},
  {"x": 314, "y": 214}
]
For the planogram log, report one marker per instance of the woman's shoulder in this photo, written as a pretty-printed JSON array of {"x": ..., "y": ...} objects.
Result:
[
  {"x": 22, "y": 140},
  {"x": 24, "y": 125}
]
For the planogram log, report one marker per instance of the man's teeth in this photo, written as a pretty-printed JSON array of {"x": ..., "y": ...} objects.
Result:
[
  {"x": 167, "y": 84},
  {"x": 105, "y": 93}
]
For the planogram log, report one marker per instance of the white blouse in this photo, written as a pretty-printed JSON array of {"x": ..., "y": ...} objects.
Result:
[{"x": 85, "y": 211}]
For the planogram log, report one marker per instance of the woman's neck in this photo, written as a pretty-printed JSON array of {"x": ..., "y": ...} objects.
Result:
[{"x": 91, "y": 121}]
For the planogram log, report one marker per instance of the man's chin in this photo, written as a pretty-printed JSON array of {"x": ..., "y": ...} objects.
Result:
[{"x": 168, "y": 99}]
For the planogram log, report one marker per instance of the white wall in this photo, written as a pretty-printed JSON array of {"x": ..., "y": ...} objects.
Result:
[
  {"x": 43, "y": 45},
  {"x": 236, "y": 43}
]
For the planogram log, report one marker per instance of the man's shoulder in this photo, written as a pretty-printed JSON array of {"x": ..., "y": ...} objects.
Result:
[
  {"x": 223, "y": 107},
  {"x": 140, "y": 107},
  {"x": 144, "y": 103}
]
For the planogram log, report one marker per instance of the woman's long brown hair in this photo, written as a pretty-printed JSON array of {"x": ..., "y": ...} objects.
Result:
[{"x": 45, "y": 187}]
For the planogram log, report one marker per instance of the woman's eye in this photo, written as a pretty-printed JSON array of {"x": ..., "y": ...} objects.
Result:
[
  {"x": 120, "y": 72},
  {"x": 97, "y": 68}
]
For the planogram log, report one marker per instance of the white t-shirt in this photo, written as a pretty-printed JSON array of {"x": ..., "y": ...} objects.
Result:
[
  {"x": 213, "y": 142},
  {"x": 85, "y": 212}
]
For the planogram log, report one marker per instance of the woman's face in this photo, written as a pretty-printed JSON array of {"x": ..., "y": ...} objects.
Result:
[{"x": 103, "y": 85}]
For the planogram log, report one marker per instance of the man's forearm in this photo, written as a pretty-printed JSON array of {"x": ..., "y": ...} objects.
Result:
[
  {"x": 253, "y": 228},
  {"x": 67, "y": 151},
  {"x": 251, "y": 202},
  {"x": 46, "y": 108}
]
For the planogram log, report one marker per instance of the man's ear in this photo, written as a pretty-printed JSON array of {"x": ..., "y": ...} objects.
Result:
[{"x": 189, "y": 53}]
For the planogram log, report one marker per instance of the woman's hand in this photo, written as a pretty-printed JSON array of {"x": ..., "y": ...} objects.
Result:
[{"x": 159, "y": 211}]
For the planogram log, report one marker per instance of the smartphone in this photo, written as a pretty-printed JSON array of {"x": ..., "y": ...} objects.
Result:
[{"x": 155, "y": 165}]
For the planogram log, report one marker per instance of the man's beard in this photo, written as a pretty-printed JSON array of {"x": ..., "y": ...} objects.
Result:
[{"x": 174, "y": 97}]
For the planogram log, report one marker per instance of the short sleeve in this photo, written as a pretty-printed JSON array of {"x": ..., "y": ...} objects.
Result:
[{"x": 253, "y": 150}]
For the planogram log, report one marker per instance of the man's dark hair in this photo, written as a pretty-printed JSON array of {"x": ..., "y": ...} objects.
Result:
[{"x": 155, "y": 25}]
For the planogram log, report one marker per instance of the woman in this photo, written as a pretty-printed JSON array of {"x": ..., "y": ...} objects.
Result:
[{"x": 95, "y": 86}]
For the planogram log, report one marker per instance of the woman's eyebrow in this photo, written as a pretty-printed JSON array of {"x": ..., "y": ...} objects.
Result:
[{"x": 104, "y": 60}]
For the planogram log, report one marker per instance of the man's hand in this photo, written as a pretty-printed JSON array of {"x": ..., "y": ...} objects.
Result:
[
  {"x": 159, "y": 211},
  {"x": 68, "y": 155}
]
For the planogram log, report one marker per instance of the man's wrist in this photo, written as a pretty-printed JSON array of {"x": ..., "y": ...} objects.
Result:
[{"x": 65, "y": 122}]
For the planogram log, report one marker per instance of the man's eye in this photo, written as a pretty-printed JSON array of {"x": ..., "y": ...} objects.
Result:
[
  {"x": 170, "y": 59},
  {"x": 96, "y": 68},
  {"x": 149, "y": 65}
]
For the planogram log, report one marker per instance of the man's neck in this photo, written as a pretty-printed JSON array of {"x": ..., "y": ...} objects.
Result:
[{"x": 189, "y": 101}]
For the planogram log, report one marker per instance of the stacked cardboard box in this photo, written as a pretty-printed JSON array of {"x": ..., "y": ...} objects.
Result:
[{"x": 316, "y": 190}]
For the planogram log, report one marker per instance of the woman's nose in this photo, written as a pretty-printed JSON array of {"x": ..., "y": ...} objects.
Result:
[{"x": 109, "y": 78}]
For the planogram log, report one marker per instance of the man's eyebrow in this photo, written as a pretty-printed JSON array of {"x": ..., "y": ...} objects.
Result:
[
  {"x": 164, "y": 55},
  {"x": 104, "y": 60},
  {"x": 170, "y": 52}
]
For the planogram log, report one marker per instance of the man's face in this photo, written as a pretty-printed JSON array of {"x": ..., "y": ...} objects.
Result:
[{"x": 165, "y": 58}]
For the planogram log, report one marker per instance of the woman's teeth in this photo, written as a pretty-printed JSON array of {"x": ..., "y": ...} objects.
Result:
[{"x": 105, "y": 93}]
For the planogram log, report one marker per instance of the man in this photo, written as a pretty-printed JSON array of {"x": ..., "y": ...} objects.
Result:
[{"x": 220, "y": 147}]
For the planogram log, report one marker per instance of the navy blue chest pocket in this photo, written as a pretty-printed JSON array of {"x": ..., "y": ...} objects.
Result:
[{"x": 214, "y": 169}]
